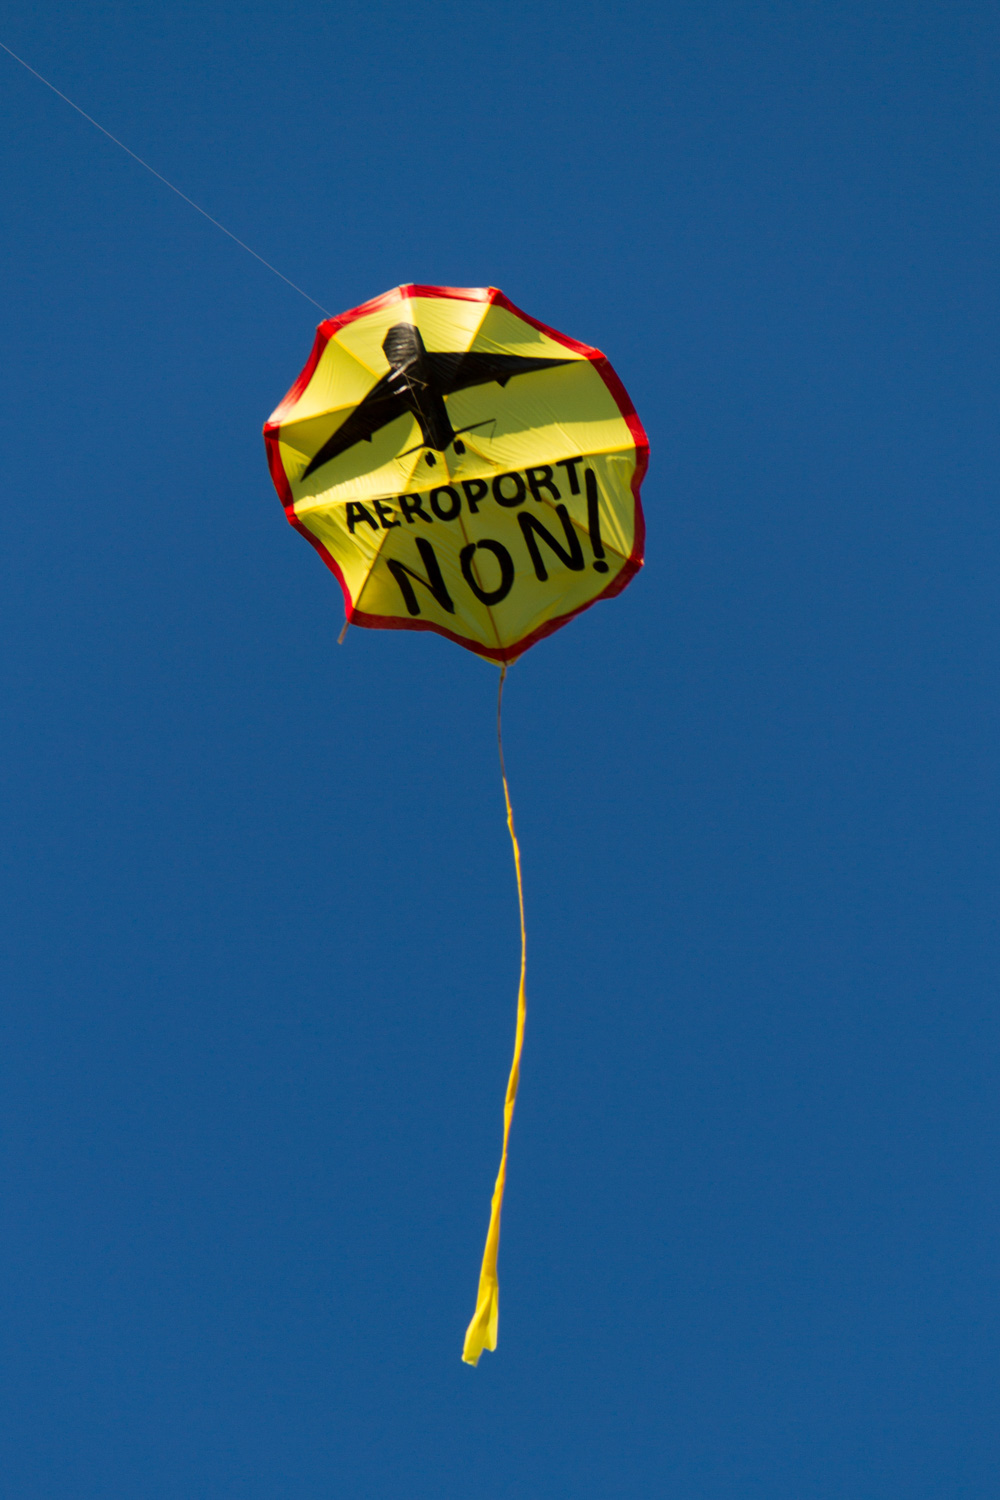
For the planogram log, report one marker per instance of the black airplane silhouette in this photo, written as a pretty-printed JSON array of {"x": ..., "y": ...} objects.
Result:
[{"x": 418, "y": 382}]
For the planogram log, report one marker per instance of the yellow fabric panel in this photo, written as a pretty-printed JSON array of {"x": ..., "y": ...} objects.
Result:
[
  {"x": 502, "y": 329},
  {"x": 339, "y": 382},
  {"x": 446, "y": 322}
]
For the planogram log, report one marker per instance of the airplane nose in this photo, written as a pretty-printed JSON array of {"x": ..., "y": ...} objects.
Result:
[{"x": 402, "y": 345}]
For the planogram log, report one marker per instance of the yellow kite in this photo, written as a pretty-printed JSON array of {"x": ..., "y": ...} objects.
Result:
[{"x": 465, "y": 469}]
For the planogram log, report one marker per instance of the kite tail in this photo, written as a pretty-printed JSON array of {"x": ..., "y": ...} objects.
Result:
[{"x": 482, "y": 1331}]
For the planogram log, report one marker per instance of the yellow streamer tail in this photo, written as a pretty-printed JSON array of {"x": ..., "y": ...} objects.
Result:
[{"x": 482, "y": 1331}]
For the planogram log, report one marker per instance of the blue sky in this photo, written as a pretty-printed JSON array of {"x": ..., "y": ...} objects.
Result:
[{"x": 259, "y": 912}]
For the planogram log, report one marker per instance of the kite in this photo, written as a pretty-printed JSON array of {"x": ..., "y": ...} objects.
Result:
[{"x": 462, "y": 468}]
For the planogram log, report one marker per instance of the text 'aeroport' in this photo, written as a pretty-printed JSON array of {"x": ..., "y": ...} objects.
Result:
[{"x": 509, "y": 490}]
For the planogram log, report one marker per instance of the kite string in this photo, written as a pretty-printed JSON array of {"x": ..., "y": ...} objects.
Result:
[
  {"x": 159, "y": 176},
  {"x": 482, "y": 1331}
]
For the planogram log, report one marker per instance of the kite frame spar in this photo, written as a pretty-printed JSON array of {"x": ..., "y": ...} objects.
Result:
[{"x": 490, "y": 296}]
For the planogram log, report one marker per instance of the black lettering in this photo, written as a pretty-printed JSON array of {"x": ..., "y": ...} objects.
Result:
[
  {"x": 357, "y": 512},
  {"x": 541, "y": 479},
  {"x": 476, "y": 491},
  {"x": 503, "y": 557},
  {"x": 454, "y": 503},
  {"x": 434, "y": 580},
  {"x": 385, "y": 514},
  {"x": 571, "y": 556},
  {"x": 569, "y": 464},
  {"x": 594, "y": 520},
  {"x": 519, "y": 494},
  {"x": 413, "y": 505}
]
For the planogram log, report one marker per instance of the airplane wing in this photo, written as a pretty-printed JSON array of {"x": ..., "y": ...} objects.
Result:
[
  {"x": 454, "y": 372},
  {"x": 448, "y": 373},
  {"x": 381, "y": 406}
]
